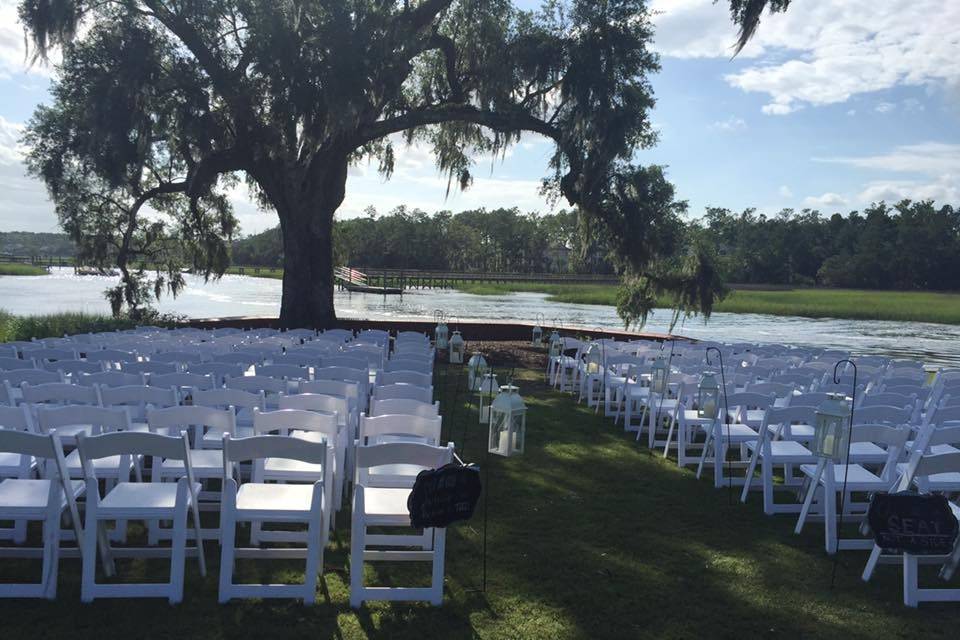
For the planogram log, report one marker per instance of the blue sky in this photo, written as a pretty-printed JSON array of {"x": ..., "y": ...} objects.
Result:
[{"x": 836, "y": 104}]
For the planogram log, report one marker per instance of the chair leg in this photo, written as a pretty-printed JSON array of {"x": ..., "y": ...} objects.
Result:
[
  {"x": 808, "y": 499},
  {"x": 439, "y": 549},
  {"x": 830, "y": 519},
  {"x": 228, "y": 533},
  {"x": 358, "y": 534},
  {"x": 910, "y": 580},
  {"x": 51, "y": 554},
  {"x": 178, "y": 554},
  {"x": 703, "y": 454},
  {"x": 872, "y": 562},
  {"x": 89, "y": 555}
]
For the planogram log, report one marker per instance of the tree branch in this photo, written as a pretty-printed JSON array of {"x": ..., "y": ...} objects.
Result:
[{"x": 436, "y": 114}]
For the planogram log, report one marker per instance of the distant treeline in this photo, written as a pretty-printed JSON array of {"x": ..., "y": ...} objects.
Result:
[
  {"x": 499, "y": 240},
  {"x": 26, "y": 243},
  {"x": 910, "y": 245}
]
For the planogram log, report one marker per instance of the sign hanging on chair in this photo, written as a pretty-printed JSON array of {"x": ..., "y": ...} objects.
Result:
[
  {"x": 443, "y": 496},
  {"x": 911, "y": 522}
]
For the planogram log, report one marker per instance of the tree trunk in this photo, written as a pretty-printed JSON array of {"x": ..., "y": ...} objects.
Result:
[{"x": 306, "y": 211}]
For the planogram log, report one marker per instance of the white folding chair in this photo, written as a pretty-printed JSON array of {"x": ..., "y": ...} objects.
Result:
[
  {"x": 111, "y": 379},
  {"x": 28, "y": 499},
  {"x": 206, "y": 463},
  {"x": 404, "y": 407},
  {"x": 147, "y": 501},
  {"x": 828, "y": 478},
  {"x": 136, "y": 399},
  {"x": 375, "y": 505},
  {"x": 773, "y": 450},
  {"x": 405, "y": 377},
  {"x": 313, "y": 427},
  {"x": 403, "y": 392},
  {"x": 256, "y": 502},
  {"x": 13, "y": 465}
]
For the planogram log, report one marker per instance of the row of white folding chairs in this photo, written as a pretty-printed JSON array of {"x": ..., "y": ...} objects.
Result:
[{"x": 254, "y": 501}]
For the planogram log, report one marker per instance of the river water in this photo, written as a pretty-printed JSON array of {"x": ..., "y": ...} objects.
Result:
[{"x": 246, "y": 296}]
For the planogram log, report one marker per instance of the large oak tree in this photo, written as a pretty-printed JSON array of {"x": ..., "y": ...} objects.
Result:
[{"x": 288, "y": 93}]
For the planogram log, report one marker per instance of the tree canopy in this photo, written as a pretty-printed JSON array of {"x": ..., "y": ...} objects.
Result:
[{"x": 161, "y": 101}]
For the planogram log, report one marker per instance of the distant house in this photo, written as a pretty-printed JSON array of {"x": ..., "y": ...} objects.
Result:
[{"x": 557, "y": 258}]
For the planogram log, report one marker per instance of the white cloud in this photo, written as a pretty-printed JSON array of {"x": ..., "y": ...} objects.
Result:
[
  {"x": 823, "y": 52},
  {"x": 785, "y": 191},
  {"x": 826, "y": 200},
  {"x": 944, "y": 189},
  {"x": 730, "y": 124},
  {"x": 11, "y": 151},
  {"x": 885, "y": 107},
  {"x": 931, "y": 158},
  {"x": 933, "y": 167}
]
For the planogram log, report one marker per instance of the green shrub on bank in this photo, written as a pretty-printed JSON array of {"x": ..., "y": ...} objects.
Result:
[
  {"x": 55, "y": 325},
  {"x": 19, "y": 269}
]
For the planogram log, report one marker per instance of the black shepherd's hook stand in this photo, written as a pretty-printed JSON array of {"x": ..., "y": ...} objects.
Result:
[
  {"x": 726, "y": 420},
  {"x": 846, "y": 461}
]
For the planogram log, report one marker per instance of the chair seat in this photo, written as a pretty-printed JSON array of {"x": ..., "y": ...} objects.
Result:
[
  {"x": 142, "y": 499},
  {"x": 105, "y": 467},
  {"x": 29, "y": 497},
  {"x": 692, "y": 416},
  {"x": 214, "y": 438},
  {"x": 786, "y": 451},
  {"x": 276, "y": 498},
  {"x": 857, "y": 477},
  {"x": 801, "y": 432},
  {"x": 285, "y": 468},
  {"x": 383, "y": 501},
  {"x": 737, "y": 432},
  {"x": 206, "y": 463},
  {"x": 68, "y": 433},
  {"x": 867, "y": 452},
  {"x": 10, "y": 464}
]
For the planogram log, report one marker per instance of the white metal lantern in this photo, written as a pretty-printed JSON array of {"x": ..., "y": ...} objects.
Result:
[
  {"x": 508, "y": 422},
  {"x": 440, "y": 334},
  {"x": 831, "y": 432},
  {"x": 658, "y": 376},
  {"x": 708, "y": 395},
  {"x": 594, "y": 358},
  {"x": 457, "y": 348},
  {"x": 476, "y": 369},
  {"x": 487, "y": 387},
  {"x": 556, "y": 343},
  {"x": 537, "y": 335}
]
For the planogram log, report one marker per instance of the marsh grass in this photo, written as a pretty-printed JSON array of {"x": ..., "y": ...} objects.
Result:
[
  {"x": 20, "y": 269},
  {"x": 917, "y": 306},
  {"x": 589, "y": 536},
  {"x": 56, "y": 325}
]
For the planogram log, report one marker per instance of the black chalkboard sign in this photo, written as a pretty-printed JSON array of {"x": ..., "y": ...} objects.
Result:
[
  {"x": 911, "y": 522},
  {"x": 443, "y": 496}
]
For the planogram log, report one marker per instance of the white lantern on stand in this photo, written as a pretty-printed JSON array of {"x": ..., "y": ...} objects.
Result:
[
  {"x": 441, "y": 332},
  {"x": 556, "y": 344},
  {"x": 708, "y": 395},
  {"x": 594, "y": 358},
  {"x": 476, "y": 369},
  {"x": 508, "y": 423},
  {"x": 658, "y": 376},
  {"x": 487, "y": 387},
  {"x": 457, "y": 348},
  {"x": 831, "y": 431},
  {"x": 537, "y": 332}
]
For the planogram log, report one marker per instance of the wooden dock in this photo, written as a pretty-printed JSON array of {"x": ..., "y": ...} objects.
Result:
[{"x": 423, "y": 279}]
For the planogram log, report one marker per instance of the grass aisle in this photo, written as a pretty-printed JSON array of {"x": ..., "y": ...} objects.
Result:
[{"x": 589, "y": 537}]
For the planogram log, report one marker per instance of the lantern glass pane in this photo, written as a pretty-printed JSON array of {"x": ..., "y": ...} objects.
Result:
[
  {"x": 499, "y": 434},
  {"x": 519, "y": 433}
]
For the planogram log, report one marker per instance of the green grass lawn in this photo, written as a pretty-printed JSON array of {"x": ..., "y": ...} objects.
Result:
[
  {"x": 810, "y": 303},
  {"x": 589, "y": 536},
  {"x": 20, "y": 269}
]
